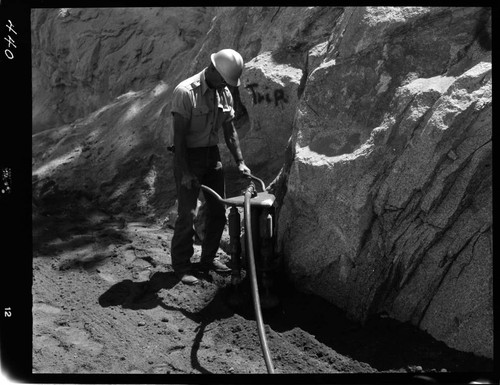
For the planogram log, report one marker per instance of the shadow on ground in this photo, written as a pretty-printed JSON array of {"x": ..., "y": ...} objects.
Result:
[
  {"x": 144, "y": 295},
  {"x": 383, "y": 343}
]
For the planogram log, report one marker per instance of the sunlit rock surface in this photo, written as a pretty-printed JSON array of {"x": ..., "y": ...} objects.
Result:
[{"x": 388, "y": 204}]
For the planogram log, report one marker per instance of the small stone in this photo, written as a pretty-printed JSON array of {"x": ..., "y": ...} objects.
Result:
[
  {"x": 141, "y": 323},
  {"x": 181, "y": 330},
  {"x": 229, "y": 350},
  {"x": 164, "y": 319},
  {"x": 418, "y": 368},
  {"x": 444, "y": 370},
  {"x": 231, "y": 370}
]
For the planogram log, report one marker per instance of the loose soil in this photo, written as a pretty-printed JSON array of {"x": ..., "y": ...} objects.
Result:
[{"x": 105, "y": 300}]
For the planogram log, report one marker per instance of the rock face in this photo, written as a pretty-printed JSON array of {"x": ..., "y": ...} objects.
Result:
[
  {"x": 388, "y": 204},
  {"x": 377, "y": 119},
  {"x": 84, "y": 58},
  {"x": 271, "y": 103},
  {"x": 111, "y": 158}
]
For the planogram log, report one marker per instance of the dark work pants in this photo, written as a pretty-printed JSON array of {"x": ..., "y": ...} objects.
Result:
[{"x": 206, "y": 165}]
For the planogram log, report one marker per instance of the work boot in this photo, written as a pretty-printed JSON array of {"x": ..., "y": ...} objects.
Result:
[
  {"x": 187, "y": 278},
  {"x": 215, "y": 265}
]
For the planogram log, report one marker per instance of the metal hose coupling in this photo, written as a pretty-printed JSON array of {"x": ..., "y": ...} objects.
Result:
[{"x": 251, "y": 189}]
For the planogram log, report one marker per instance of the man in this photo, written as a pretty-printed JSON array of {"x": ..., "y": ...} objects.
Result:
[{"x": 200, "y": 106}]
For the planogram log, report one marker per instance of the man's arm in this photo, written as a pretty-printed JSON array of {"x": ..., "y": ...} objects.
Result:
[
  {"x": 233, "y": 143},
  {"x": 181, "y": 126}
]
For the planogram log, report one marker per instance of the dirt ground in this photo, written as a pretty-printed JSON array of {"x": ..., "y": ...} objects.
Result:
[{"x": 105, "y": 300}]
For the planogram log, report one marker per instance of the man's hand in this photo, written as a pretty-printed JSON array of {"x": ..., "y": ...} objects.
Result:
[
  {"x": 242, "y": 167},
  {"x": 189, "y": 181}
]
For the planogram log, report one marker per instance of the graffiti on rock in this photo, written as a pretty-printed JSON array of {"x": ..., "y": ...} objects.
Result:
[{"x": 276, "y": 96}]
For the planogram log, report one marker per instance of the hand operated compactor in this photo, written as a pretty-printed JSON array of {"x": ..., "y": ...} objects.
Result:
[{"x": 259, "y": 215}]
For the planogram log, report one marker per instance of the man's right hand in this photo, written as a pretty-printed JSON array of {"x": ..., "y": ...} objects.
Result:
[{"x": 189, "y": 181}]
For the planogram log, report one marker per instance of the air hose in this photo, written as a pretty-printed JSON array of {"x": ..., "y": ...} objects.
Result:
[
  {"x": 251, "y": 261},
  {"x": 253, "y": 281}
]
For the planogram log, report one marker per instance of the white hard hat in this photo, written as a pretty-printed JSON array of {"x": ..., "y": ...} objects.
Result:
[{"x": 229, "y": 64}]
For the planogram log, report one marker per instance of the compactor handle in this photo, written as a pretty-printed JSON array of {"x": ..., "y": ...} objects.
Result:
[
  {"x": 231, "y": 201},
  {"x": 258, "y": 180},
  {"x": 214, "y": 193}
]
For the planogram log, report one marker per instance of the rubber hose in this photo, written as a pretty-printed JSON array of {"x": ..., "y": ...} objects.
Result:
[{"x": 255, "y": 289}]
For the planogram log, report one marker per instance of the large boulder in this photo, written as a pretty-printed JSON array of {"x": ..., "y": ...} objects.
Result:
[
  {"x": 388, "y": 202},
  {"x": 271, "y": 99}
]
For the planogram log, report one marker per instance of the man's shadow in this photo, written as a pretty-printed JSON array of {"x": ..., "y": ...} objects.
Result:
[{"x": 144, "y": 295}]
